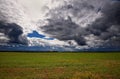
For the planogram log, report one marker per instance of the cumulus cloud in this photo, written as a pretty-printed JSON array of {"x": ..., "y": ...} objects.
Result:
[
  {"x": 3, "y": 38},
  {"x": 65, "y": 30},
  {"x": 11, "y": 33},
  {"x": 13, "y": 11},
  {"x": 13, "y": 22},
  {"x": 86, "y": 22},
  {"x": 107, "y": 27}
]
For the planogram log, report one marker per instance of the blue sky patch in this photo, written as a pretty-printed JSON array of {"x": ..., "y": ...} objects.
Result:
[{"x": 37, "y": 35}]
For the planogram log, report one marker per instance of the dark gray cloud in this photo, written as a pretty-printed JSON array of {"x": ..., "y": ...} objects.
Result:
[
  {"x": 10, "y": 18},
  {"x": 105, "y": 28},
  {"x": 12, "y": 32},
  {"x": 65, "y": 30}
]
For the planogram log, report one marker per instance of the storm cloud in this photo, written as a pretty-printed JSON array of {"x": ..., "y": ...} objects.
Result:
[
  {"x": 11, "y": 23},
  {"x": 88, "y": 22},
  {"x": 12, "y": 33},
  {"x": 66, "y": 30},
  {"x": 107, "y": 28}
]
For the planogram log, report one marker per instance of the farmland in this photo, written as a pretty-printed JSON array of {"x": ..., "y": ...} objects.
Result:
[{"x": 23, "y": 65}]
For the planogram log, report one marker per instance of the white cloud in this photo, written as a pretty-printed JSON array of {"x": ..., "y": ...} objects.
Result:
[{"x": 3, "y": 38}]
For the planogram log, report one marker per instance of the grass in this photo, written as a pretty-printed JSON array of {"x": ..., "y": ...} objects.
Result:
[{"x": 59, "y": 65}]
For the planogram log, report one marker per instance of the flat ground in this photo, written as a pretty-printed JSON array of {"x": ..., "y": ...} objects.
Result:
[{"x": 59, "y": 65}]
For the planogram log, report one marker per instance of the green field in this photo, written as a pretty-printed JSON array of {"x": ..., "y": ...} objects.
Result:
[{"x": 59, "y": 65}]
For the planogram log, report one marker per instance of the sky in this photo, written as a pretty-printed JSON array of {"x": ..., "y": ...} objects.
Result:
[
  {"x": 35, "y": 8},
  {"x": 79, "y": 24}
]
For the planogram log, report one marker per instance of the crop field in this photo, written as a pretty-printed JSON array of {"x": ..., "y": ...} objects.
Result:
[{"x": 23, "y": 65}]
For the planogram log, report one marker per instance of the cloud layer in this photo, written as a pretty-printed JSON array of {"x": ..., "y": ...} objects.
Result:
[
  {"x": 88, "y": 22},
  {"x": 84, "y": 23}
]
